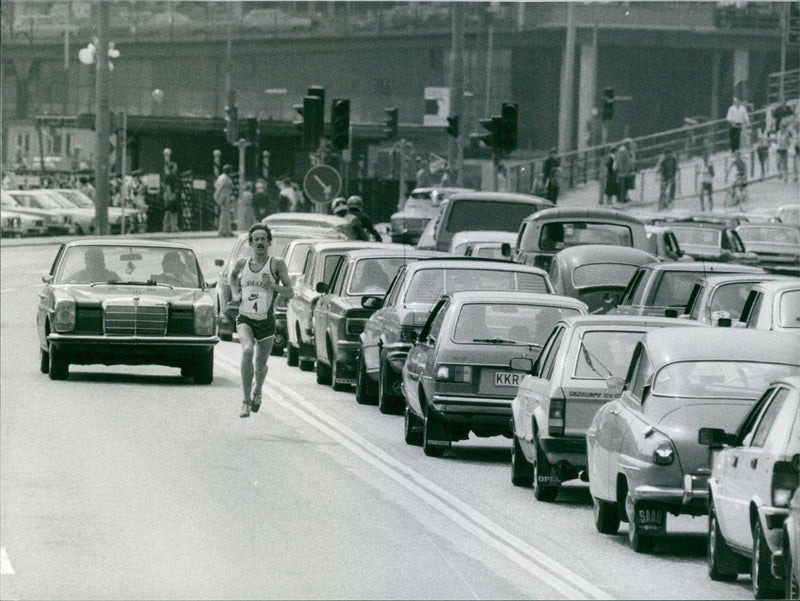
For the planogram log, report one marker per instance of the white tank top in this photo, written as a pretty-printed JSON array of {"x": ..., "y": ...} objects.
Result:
[{"x": 257, "y": 299}]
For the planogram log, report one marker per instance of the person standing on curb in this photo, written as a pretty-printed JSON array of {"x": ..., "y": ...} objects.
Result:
[
  {"x": 223, "y": 191},
  {"x": 708, "y": 184},
  {"x": 245, "y": 216},
  {"x": 737, "y": 118},
  {"x": 255, "y": 283}
]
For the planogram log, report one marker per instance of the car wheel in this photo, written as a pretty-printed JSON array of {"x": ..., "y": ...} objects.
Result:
[
  {"x": 204, "y": 368},
  {"x": 59, "y": 367},
  {"x": 306, "y": 364},
  {"x": 764, "y": 585},
  {"x": 722, "y": 562},
  {"x": 521, "y": 468},
  {"x": 365, "y": 393},
  {"x": 606, "y": 516},
  {"x": 791, "y": 586},
  {"x": 413, "y": 428},
  {"x": 44, "y": 361},
  {"x": 386, "y": 402},
  {"x": 433, "y": 430},
  {"x": 226, "y": 336},
  {"x": 292, "y": 355},
  {"x": 323, "y": 373},
  {"x": 337, "y": 375},
  {"x": 542, "y": 472},
  {"x": 640, "y": 543}
]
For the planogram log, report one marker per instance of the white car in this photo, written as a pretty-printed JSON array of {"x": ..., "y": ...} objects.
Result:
[
  {"x": 14, "y": 224},
  {"x": 56, "y": 219}
]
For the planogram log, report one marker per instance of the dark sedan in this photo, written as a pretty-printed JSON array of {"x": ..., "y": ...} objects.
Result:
[
  {"x": 712, "y": 242},
  {"x": 776, "y": 246}
]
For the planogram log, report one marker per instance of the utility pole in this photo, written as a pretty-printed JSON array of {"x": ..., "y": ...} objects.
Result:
[
  {"x": 567, "y": 85},
  {"x": 456, "y": 149},
  {"x": 102, "y": 123}
]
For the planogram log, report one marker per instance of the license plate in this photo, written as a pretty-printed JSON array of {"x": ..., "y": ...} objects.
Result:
[
  {"x": 505, "y": 378},
  {"x": 650, "y": 519}
]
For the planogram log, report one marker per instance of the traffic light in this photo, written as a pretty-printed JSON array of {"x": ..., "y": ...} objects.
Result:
[
  {"x": 340, "y": 123},
  {"x": 231, "y": 124},
  {"x": 452, "y": 126},
  {"x": 310, "y": 121},
  {"x": 608, "y": 104},
  {"x": 493, "y": 125},
  {"x": 391, "y": 123},
  {"x": 508, "y": 127},
  {"x": 251, "y": 127}
]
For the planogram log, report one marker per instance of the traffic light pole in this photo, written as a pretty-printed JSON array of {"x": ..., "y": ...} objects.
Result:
[{"x": 401, "y": 194}]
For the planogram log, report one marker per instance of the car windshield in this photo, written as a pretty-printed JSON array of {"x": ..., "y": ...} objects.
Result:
[
  {"x": 297, "y": 259},
  {"x": 777, "y": 235},
  {"x": 558, "y": 235},
  {"x": 373, "y": 276},
  {"x": 719, "y": 379},
  {"x": 789, "y": 312},
  {"x": 605, "y": 353},
  {"x": 675, "y": 288},
  {"x": 77, "y": 198},
  {"x": 494, "y": 215},
  {"x": 427, "y": 285},
  {"x": 602, "y": 274},
  {"x": 145, "y": 265},
  {"x": 62, "y": 201},
  {"x": 697, "y": 236},
  {"x": 507, "y": 323},
  {"x": 36, "y": 201}
]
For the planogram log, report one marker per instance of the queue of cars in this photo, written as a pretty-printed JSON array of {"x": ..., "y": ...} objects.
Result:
[{"x": 633, "y": 401}]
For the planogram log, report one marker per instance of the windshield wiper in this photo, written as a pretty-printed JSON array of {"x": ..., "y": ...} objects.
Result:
[
  {"x": 588, "y": 356},
  {"x": 495, "y": 340},
  {"x": 132, "y": 283}
]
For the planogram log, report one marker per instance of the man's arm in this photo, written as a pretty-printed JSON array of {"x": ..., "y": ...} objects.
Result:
[
  {"x": 282, "y": 272},
  {"x": 233, "y": 279}
]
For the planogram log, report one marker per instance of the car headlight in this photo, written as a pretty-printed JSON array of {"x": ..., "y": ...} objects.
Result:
[
  {"x": 67, "y": 219},
  {"x": 205, "y": 320},
  {"x": 64, "y": 315},
  {"x": 664, "y": 454}
]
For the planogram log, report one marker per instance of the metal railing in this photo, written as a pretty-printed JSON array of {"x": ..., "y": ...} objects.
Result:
[{"x": 791, "y": 85}]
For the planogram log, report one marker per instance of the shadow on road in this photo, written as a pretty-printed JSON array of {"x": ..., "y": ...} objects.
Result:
[{"x": 141, "y": 379}]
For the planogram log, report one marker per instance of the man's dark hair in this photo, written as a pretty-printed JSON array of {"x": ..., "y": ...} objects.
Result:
[
  {"x": 227, "y": 169},
  {"x": 254, "y": 228}
]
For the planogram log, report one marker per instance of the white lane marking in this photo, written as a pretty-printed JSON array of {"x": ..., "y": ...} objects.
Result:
[
  {"x": 5, "y": 563},
  {"x": 548, "y": 570},
  {"x": 4, "y": 290}
]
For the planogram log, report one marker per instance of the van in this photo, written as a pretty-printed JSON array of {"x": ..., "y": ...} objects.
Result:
[
  {"x": 545, "y": 233},
  {"x": 497, "y": 211}
]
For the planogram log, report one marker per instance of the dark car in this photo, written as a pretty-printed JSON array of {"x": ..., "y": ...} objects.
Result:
[
  {"x": 712, "y": 242},
  {"x": 320, "y": 266},
  {"x": 339, "y": 317},
  {"x": 597, "y": 274},
  {"x": 126, "y": 302},
  {"x": 392, "y": 329},
  {"x": 456, "y": 378},
  {"x": 776, "y": 246},
  {"x": 644, "y": 457},
  {"x": 547, "y": 232},
  {"x": 422, "y": 205},
  {"x": 227, "y": 309}
]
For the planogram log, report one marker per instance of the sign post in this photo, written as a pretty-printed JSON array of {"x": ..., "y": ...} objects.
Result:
[{"x": 322, "y": 183}]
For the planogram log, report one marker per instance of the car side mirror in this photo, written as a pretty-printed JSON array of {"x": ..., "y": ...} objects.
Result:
[
  {"x": 322, "y": 287},
  {"x": 219, "y": 262},
  {"x": 615, "y": 385},
  {"x": 505, "y": 249},
  {"x": 47, "y": 278},
  {"x": 372, "y": 302},
  {"x": 716, "y": 438},
  {"x": 525, "y": 364}
]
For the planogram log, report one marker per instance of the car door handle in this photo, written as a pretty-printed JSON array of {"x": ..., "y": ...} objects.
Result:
[
  {"x": 753, "y": 463},
  {"x": 734, "y": 460}
]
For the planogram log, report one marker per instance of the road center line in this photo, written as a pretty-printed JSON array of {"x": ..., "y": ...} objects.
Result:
[
  {"x": 546, "y": 569},
  {"x": 6, "y": 568}
]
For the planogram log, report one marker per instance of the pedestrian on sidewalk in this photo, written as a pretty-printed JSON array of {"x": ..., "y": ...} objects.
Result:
[
  {"x": 172, "y": 205},
  {"x": 762, "y": 150},
  {"x": 223, "y": 192},
  {"x": 782, "y": 143},
  {"x": 625, "y": 174},
  {"x": 611, "y": 188},
  {"x": 707, "y": 184},
  {"x": 245, "y": 212},
  {"x": 255, "y": 283},
  {"x": 737, "y": 118},
  {"x": 550, "y": 172},
  {"x": 667, "y": 171}
]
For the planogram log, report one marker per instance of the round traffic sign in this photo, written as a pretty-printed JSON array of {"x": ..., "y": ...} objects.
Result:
[{"x": 322, "y": 184}]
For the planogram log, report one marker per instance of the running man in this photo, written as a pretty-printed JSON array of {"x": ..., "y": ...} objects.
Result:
[{"x": 255, "y": 284}]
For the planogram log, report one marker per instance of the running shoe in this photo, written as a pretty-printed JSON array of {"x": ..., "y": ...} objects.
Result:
[
  {"x": 256, "y": 404},
  {"x": 245, "y": 412}
]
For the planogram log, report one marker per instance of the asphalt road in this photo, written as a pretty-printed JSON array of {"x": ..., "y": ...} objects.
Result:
[{"x": 133, "y": 483}]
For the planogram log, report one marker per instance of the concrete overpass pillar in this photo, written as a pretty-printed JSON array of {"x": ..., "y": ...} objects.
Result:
[
  {"x": 741, "y": 73},
  {"x": 716, "y": 61},
  {"x": 587, "y": 91}
]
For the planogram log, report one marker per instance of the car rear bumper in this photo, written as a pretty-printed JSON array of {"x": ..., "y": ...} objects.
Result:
[
  {"x": 570, "y": 450},
  {"x": 485, "y": 410},
  {"x": 690, "y": 499}
]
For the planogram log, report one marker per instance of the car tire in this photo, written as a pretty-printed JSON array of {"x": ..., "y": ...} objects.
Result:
[
  {"x": 722, "y": 562},
  {"x": 227, "y": 337},
  {"x": 365, "y": 388},
  {"x": 387, "y": 404},
  {"x": 204, "y": 368},
  {"x": 606, "y": 516},
  {"x": 542, "y": 471},
  {"x": 323, "y": 373},
  {"x": 59, "y": 366},
  {"x": 791, "y": 588},
  {"x": 414, "y": 428},
  {"x": 292, "y": 355},
  {"x": 336, "y": 374},
  {"x": 640, "y": 543},
  {"x": 44, "y": 361},
  {"x": 521, "y": 468},
  {"x": 764, "y": 585},
  {"x": 306, "y": 364},
  {"x": 276, "y": 351},
  {"x": 433, "y": 429}
]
